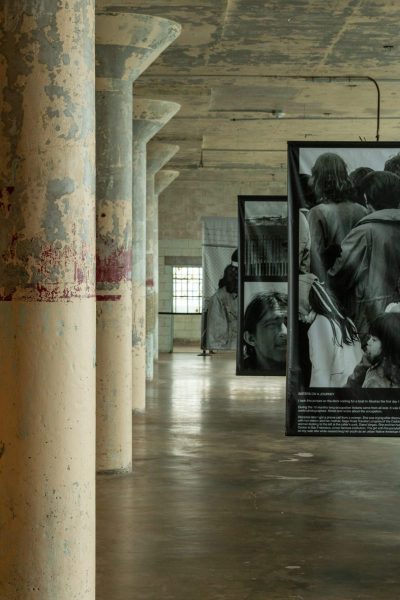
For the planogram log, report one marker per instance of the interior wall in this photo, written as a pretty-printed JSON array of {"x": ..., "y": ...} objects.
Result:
[
  {"x": 185, "y": 202},
  {"x": 165, "y": 321},
  {"x": 181, "y": 207},
  {"x": 187, "y": 328},
  {"x": 178, "y": 328}
]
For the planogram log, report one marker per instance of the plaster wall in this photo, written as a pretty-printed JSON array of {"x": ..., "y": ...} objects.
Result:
[
  {"x": 184, "y": 202},
  {"x": 187, "y": 328}
]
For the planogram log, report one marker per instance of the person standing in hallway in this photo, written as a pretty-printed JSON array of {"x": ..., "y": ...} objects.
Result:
[{"x": 222, "y": 311}]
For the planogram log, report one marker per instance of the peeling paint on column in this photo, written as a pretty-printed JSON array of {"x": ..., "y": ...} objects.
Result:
[
  {"x": 149, "y": 116},
  {"x": 114, "y": 186},
  {"x": 47, "y": 307},
  {"x": 108, "y": 298},
  {"x": 126, "y": 43},
  {"x": 158, "y": 155},
  {"x": 151, "y": 36},
  {"x": 41, "y": 60},
  {"x": 115, "y": 268},
  {"x": 162, "y": 180}
]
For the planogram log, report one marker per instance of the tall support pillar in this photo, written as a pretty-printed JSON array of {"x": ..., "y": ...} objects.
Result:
[
  {"x": 126, "y": 43},
  {"x": 157, "y": 156},
  {"x": 162, "y": 180},
  {"x": 149, "y": 116},
  {"x": 47, "y": 300}
]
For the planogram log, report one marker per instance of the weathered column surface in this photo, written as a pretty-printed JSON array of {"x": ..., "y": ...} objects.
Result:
[
  {"x": 162, "y": 180},
  {"x": 149, "y": 116},
  {"x": 158, "y": 155},
  {"x": 126, "y": 43},
  {"x": 47, "y": 300}
]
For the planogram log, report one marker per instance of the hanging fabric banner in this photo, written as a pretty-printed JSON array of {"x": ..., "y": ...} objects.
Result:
[
  {"x": 220, "y": 283},
  {"x": 263, "y": 272},
  {"x": 344, "y": 289}
]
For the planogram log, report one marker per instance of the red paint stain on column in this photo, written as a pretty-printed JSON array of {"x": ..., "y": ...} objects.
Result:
[
  {"x": 110, "y": 298},
  {"x": 79, "y": 276},
  {"x": 115, "y": 267}
]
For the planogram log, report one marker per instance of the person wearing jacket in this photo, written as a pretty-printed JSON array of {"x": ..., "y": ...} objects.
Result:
[
  {"x": 335, "y": 214},
  {"x": 365, "y": 276},
  {"x": 222, "y": 310}
]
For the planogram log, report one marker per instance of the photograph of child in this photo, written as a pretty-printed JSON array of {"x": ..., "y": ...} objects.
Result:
[{"x": 349, "y": 245}]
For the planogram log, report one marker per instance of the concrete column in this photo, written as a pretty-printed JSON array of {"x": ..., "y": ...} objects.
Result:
[
  {"x": 149, "y": 116},
  {"x": 126, "y": 43},
  {"x": 157, "y": 156},
  {"x": 47, "y": 300},
  {"x": 162, "y": 180}
]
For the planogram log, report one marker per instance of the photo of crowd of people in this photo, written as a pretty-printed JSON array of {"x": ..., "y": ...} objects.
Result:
[{"x": 348, "y": 267}]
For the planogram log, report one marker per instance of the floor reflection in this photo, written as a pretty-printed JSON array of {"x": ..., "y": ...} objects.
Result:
[{"x": 223, "y": 506}]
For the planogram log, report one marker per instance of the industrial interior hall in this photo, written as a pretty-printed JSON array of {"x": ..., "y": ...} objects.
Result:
[{"x": 131, "y": 465}]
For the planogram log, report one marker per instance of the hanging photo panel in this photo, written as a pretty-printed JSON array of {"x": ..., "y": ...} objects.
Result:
[
  {"x": 263, "y": 272},
  {"x": 220, "y": 283},
  {"x": 343, "y": 374}
]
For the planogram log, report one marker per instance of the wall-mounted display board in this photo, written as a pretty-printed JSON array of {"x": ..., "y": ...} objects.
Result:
[
  {"x": 220, "y": 283},
  {"x": 263, "y": 272},
  {"x": 343, "y": 374}
]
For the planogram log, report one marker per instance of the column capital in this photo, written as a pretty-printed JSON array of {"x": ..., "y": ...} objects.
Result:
[
  {"x": 163, "y": 179},
  {"x": 127, "y": 43},
  {"x": 158, "y": 155},
  {"x": 149, "y": 116}
]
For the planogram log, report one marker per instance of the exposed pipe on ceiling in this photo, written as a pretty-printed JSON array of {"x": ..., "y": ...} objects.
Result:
[{"x": 298, "y": 77}]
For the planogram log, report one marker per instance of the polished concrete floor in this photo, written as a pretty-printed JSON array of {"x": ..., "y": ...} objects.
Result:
[{"x": 223, "y": 506}]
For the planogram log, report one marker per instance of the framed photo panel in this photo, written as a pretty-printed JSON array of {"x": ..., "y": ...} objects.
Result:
[
  {"x": 343, "y": 372},
  {"x": 263, "y": 272}
]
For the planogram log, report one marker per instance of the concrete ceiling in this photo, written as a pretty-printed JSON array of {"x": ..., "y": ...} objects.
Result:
[{"x": 252, "y": 74}]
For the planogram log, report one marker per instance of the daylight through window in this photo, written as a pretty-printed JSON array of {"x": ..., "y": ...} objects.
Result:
[{"x": 187, "y": 289}]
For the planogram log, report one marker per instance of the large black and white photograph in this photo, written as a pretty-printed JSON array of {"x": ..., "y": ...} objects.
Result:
[
  {"x": 264, "y": 328},
  {"x": 265, "y": 238},
  {"x": 263, "y": 270},
  {"x": 344, "y": 301},
  {"x": 220, "y": 284}
]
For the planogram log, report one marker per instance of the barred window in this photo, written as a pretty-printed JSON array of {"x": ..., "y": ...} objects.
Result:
[{"x": 187, "y": 289}]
